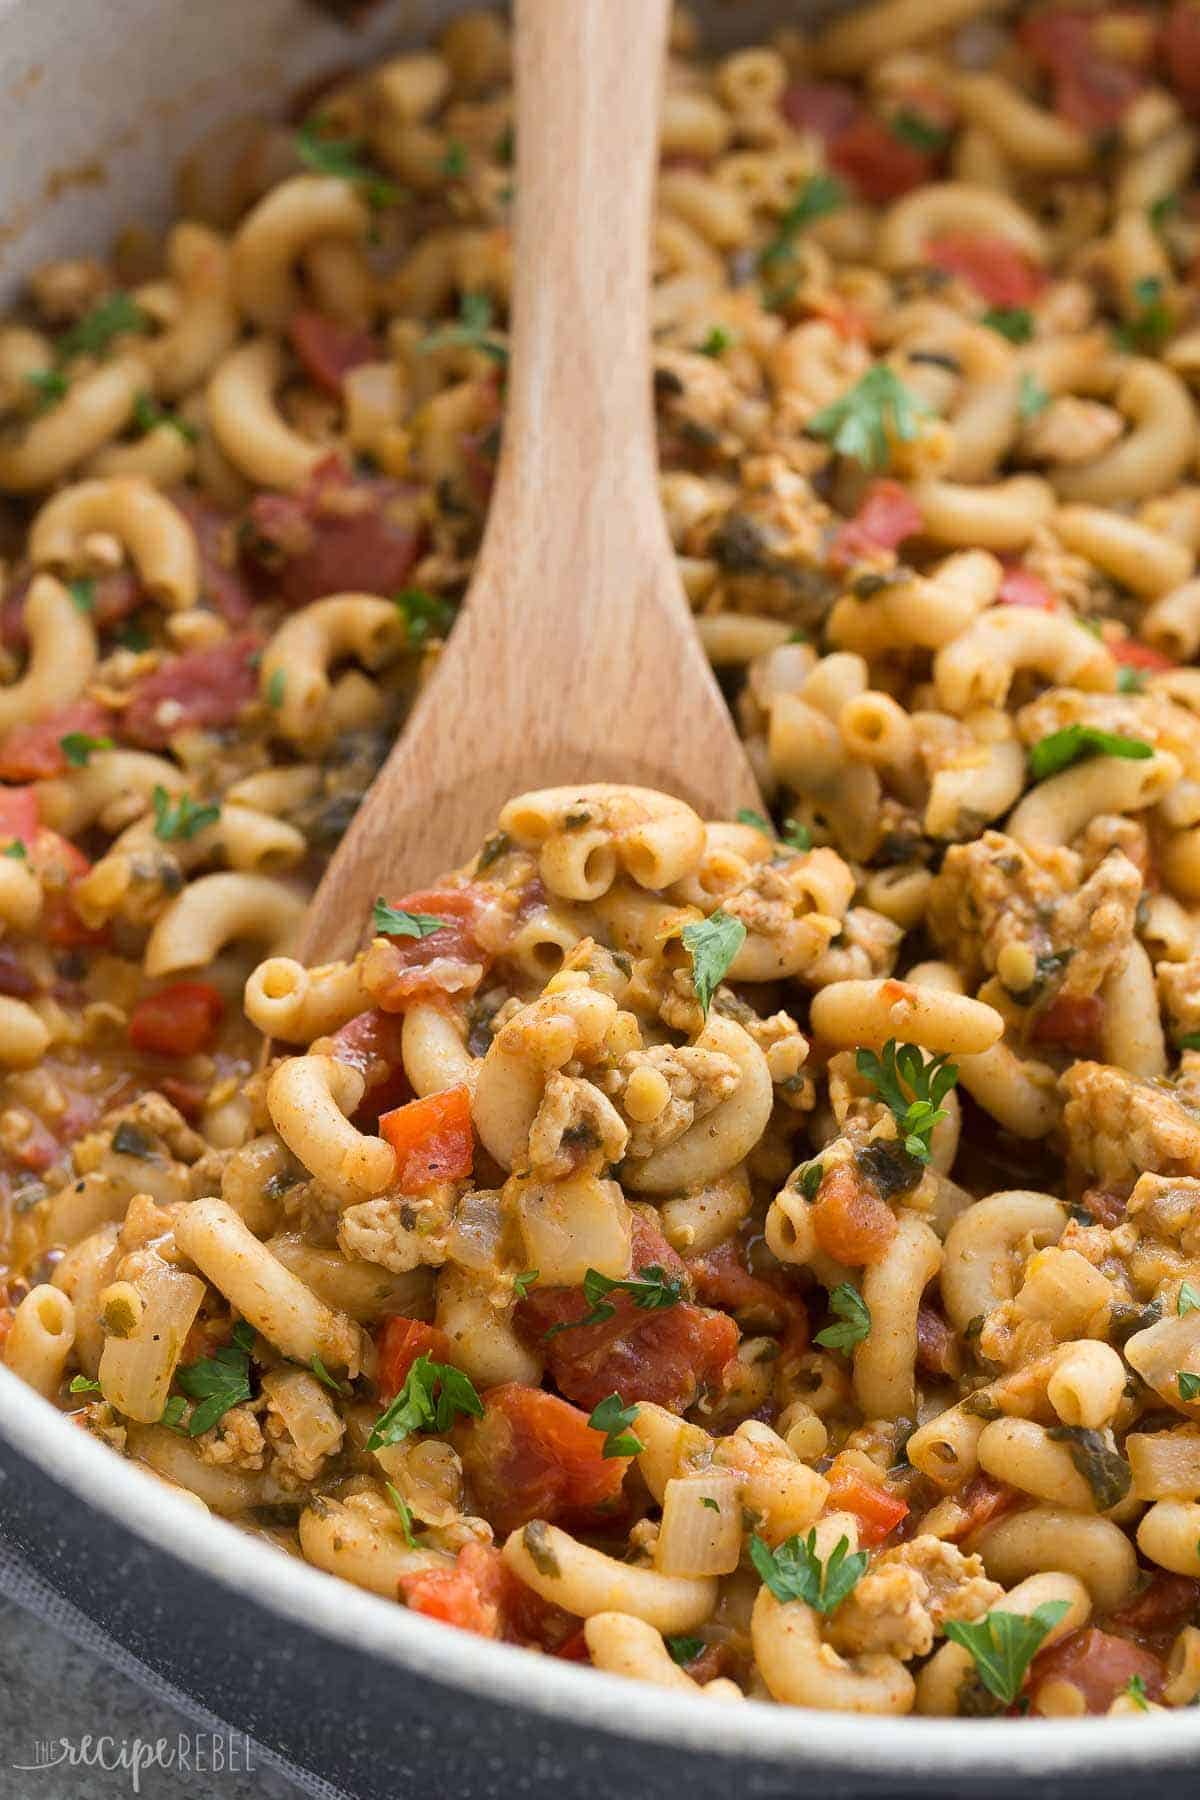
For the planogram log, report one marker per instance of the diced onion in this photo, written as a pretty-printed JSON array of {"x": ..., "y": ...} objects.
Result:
[{"x": 701, "y": 1532}]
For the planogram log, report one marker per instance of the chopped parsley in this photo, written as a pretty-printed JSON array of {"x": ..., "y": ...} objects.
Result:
[
  {"x": 1075, "y": 742},
  {"x": 717, "y": 342},
  {"x": 912, "y": 1088},
  {"x": 819, "y": 196},
  {"x": 49, "y": 385},
  {"x": 809, "y": 1179},
  {"x": 456, "y": 160},
  {"x": 425, "y": 615},
  {"x": 746, "y": 815},
  {"x": 343, "y": 157},
  {"x": 83, "y": 594},
  {"x": 853, "y": 1314},
  {"x": 184, "y": 820},
  {"x": 794, "y": 1571},
  {"x": 16, "y": 850},
  {"x": 862, "y": 423},
  {"x": 327, "y": 1380},
  {"x": 912, "y": 127},
  {"x": 652, "y": 1290},
  {"x": 1012, "y": 322},
  {"x": 1135, "y": 1689},
  {"x": 431, "y": 1399},
  {"x": 77, "y": 747},
  {"x": 1105, "y": 1470},
  {"x": 1033, "y": 398},
  {"x": 1151, "y": 325},
  {"x": 393, "y": 921},
  {"x": 684, "y": 1649},
  {"x": 1189, "y": 1385},
  {"x": 148, "y": 415},
  {"x": 1131, "y": 681},
  {"x": 276, "y": 689},
  {"x": 712, "y": 944},
  {"x": 1189, "y": 1299},
  {"x": 218, "y": 1382},
  {"x": 1003, "y": 1644},
  {"x": 83, "y": 1384},
  {"x": 1164, "y": 208},
  {"x": 524, "y": 1281},
  {"x": 796, "y": 836},
  {"x": 614, "y": 1420},
  {"x": 96, "y": 330},
  {"x": 472, "y": 332},
  {"x": 401, "y": 1505}
]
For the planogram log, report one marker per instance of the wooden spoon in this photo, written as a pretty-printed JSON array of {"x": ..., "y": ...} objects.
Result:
[{"x": 574, "y": 657}]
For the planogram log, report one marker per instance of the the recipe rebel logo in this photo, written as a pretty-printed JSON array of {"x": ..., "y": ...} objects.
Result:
[{"x": 188, "y": 1753}]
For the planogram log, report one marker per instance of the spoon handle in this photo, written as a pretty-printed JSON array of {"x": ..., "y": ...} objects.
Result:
[{"x": 588, "y": 81}]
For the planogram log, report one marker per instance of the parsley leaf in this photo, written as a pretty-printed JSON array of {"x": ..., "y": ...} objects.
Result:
[
  {"x": 712, "y": 944},
  {"x": 401, "y": 1505},
  {"x": 861, "y": 423},
  {"x": 425, "y": 615},
  {"x": 794, "y": 1571},
  {"x": 473, "y": 331},
  {"x": 1033, "y": 397},
  {"x": 912, "y": 127},
  {"x": 651, "y": 1291},
  {"x": 820, "y": 195},
  {"x": 1189, "y": 1385},
  {"x": 276, "y": 689},
  {"x": 1135, "y": 1687},
  {"x": 83, "y": 1384},
  {"x": 330, "y": 1381},
  {"x": 96, "y": 330},
  {"x": 1151, "y": 325},
  {"x": 524, "y": 1281},
  {"x": 49, "y": 384},
  {"x": 848, "y": 1305},
  {"x": 172, "y": 1413},
  {"x": 1131, "y": 681},
  {"x": 809, "y": 1178},
  {"x": 1074, "y": 742},
  {"x": 1189, "y": 1041},
  {"x": 796, "y": 836},
  {"x": 455, "y": 161},
  {"x": 432, "y": 1396},
  {"x": 16, "y": 850},
  {"x": 912, "y": 1088},
  {"x": 83, "y": 594},
  {"x": 1189, "y": 1299},
  {"x": 1163, "y": 209},
  {"x": 392, "y": 921},
  {"x": 614, "y": 1420},
  {"x": 684, "y": 1649},
  {"x": 342, "y": 157},
  {"x": 717, "y": 342},
  {"x": 218, "y": 1382},
  {"x": 1012, "y": 322},
  {"x": 746, "y": 815},
  {"x": 1003, "y": 1644},
  {"x": 77, "y": 747},
  {"x": 183, "y": 820},
  {"x": 148, "y": 414}
]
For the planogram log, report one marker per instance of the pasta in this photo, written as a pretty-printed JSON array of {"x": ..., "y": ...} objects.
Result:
[{"x": 760, "y": 1257}]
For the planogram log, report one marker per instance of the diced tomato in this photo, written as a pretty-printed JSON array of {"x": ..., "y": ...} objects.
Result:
[
  {"x": 33, "y": 751},
  {"x": 179, "y": 1020},
  {"x": 534, "y": 1456},
  {"x": 666, "y": 1356},
  {"x": 18, "y": 815},
  {"x": 937, "y": 1346},
  {"x": 433, "y": 1139},
  {"x": 402, "y": 969},
  {"x": 1072, "y": 1022},
  {"x": 1099, "y": 1665},
  {"x": 1165, "y": 1604},
  {"x": 826, "y": 108},
  {"x": 469, "y": 1594},
  {"x": 721, "y": 1278},
  {"x": 187, "y": 1097},
  {"x": 1091, "y": 89},
  {"x": 881, "y": 165},
  {"x": 1020, "y": 587},
  {"x": 15, "y": 978},
  {"x": 401, "y": 1341},
  {"x": 1131, "y": 653},
  {"x": 206, "y": 689},
  {"x": 983, "y": 1500},
  {"x": 1180, "y": 42},
  {"x": 341, "y": 534},
  {"x": 37, "y": 1147},
  {"x": 574, "y": 1650},
  {"x": 59, "y": 864},
  {"x": 222, "y": 582},
  {"x": 1106, "y": 1205},
  {"x": 877, "y": 1511},
  {"x": 113, "y": 597},
  {"x": 851, "y": 1222},
  {"x": 999, "y": 272},
  {"x": 887, "y": 515},
  {"x": 371, "y": 1043},
  {"x": 328, "y": 350}
]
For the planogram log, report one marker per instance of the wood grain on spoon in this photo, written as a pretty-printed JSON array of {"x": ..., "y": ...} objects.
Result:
[{"x": 574, "y": 657}]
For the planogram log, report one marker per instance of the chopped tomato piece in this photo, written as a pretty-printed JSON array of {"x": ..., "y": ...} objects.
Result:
[
  {"x": 18, "y": 815},
  {"x": 574, "y": 1650},
  {"x": 371, "y": 1043},
  {"x": 825, "y": 108},
  {"x": 16, "y": 979},
  {"x": 328, "y": 350},
  {"x": 1020, "y": 587},
  {"x": 877, "y": 1511},
  {"x": 468, "y": 1594},
  {"x": 1106, "y": 1205},
  {"x": 401, "y": 969},
  {"x": 433, "y": 1139},
  {"x": 982, "y": 1500},
  {"x": 887, "y": 516},
  {"x": 534, "y": 1456},
  {"x": 179, "y": 1020},
  {"x": 1133, "y": 654},
  {"x": 666, "y": 1356},
  {"x": 1180, "y": 41},
  {"x": 59, "y": 863},
  {"x": 187, "y": 1096},
  {"x": 33, "y": 751},
  {"x": 1072, "y": 1022},
  {"x": 721, "y": 1278},
  {"x": 996, "y": 269},
  {"x": 852, "y": 1223},
  {"x": 401, "y": 1341},
  {"x": 1099, "y": 1665},
  {"x": 222, "y": 581},
  {"x": 1165, "y": 1604},
  {"x": 881, "y": 165},
  {"x": 1091, "y": 88},
  {"x": 202, "y": 689},
  {"x": 937, "y": 1345},
  {"x": 343, "y": 533},
  {"x": 37, "y": 1147}
]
